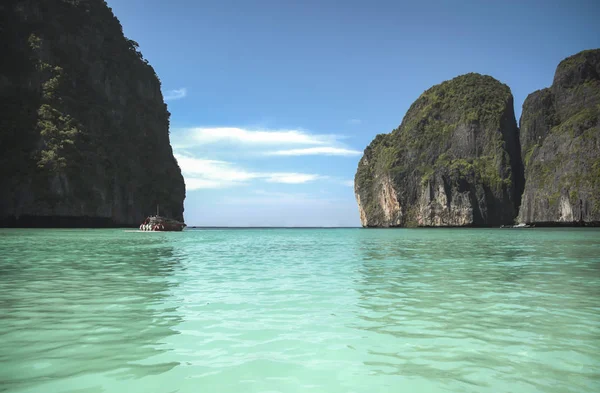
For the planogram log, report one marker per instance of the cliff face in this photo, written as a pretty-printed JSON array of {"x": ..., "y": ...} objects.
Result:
[
  {"x": 454, "y": 161},
  {"x": 83, "y": 127},
  {"x": 560, "y": 140}
]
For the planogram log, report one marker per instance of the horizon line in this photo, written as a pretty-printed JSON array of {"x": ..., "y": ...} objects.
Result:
[{"x": 269, "y": 227}]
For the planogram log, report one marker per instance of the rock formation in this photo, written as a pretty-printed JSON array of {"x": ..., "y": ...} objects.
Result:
[
  {"x": 454, "y": 161},
  {"x": 560, "y": 140},
  {"x": 84, "y": 137}
]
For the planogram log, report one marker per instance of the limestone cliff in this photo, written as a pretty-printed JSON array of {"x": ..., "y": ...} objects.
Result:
[
  {"x": 454, "y": 161},
  {"x": 560, "y": 140},
  {"x": 83, "y": 126}
]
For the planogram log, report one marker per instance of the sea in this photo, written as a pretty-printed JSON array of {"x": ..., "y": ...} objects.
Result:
[{"x": 300, "y": 310}]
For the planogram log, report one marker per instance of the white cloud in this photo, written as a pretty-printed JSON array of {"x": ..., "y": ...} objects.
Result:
[
  {"x": 202, "y": 173},
  {"x": 227, "y": 142},
  {"x": 261, "y": 142},
  {"x": 349, "y": 183},
  {"x": 195, "y": 183},
  {"x": 192, "y": 137},
  {"x": 212, "y": 169},
  {"x": 354, "y": 121},
  {"x": 291, "y": 178},
  {"x": 324, "y": 150},
  {"x": 175, "y": 94}
]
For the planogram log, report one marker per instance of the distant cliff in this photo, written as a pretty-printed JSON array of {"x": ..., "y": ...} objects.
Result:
[
  {"x": 560, "y": 140},
  {"x": 84, "y": 135},
  {"x": 454, "y": 161}
]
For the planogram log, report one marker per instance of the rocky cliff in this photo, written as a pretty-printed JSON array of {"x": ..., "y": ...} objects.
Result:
[
  {"x": 454, "y": 161},
  {"x": 560, "y": 140},
  {"x": 84, "y": 135}
]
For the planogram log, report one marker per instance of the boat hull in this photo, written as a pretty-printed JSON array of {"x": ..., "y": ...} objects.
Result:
[{"x": 162, "y": 224}]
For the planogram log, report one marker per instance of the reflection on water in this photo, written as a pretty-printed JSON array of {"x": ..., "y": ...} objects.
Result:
[
  {"x": 300, "y": 311},
  {"x": 76, "y": 303}
]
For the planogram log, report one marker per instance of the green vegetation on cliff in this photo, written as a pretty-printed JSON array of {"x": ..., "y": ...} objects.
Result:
[
  {"x": 560, "y": 135},
  {"x": 83, "y": 126},
  {"x": 458, "y": 158},
  {"x": 460, "y": 135},
  {"x": 470, "y": 98}
]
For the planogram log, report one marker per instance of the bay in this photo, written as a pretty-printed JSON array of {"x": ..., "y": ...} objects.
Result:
[{"x": 300, "y": 310}]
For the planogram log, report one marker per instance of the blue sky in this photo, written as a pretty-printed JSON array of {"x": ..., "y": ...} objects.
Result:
[{"x": 273, "y": 102}]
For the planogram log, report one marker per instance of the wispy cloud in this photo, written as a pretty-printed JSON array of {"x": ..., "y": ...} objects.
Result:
[
  {"x": 354, "y": 121},
  {"x": 209, "y": 156},
  {"x": 198, "y": 136},
  {"x": 203, "y": 173},
  {"x": 175, "y": 94},
  {"x": 349, "y": 183},
  {"x": 262, "y": 142},
  {"x": 290, "y": 178},
  {"x": 325, "y": 150}
]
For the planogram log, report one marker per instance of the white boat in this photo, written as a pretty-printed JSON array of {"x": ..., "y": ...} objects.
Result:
[{"x": 522, "y": 225}]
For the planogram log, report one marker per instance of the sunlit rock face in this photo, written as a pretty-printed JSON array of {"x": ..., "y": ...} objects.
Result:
[
  {"x": 454, "y": 161},
  {"x": 560, "y": 140}
]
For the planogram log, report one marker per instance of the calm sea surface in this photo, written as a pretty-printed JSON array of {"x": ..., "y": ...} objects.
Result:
[{"x": 300, "y": 310}]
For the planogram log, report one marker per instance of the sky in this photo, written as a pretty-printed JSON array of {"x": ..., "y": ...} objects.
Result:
[{"x": 273, "y": 102}]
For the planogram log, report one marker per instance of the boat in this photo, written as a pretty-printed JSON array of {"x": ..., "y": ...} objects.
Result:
[
  {"x": 163, "y": 224},
  {"x": 522, "y": 225}
]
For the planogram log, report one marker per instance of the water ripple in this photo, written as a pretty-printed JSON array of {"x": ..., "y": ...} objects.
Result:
[{"x": 300, "y": 310}]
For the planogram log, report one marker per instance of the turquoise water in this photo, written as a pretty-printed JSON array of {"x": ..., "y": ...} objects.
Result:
[{"x": 294, "y": 310}]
